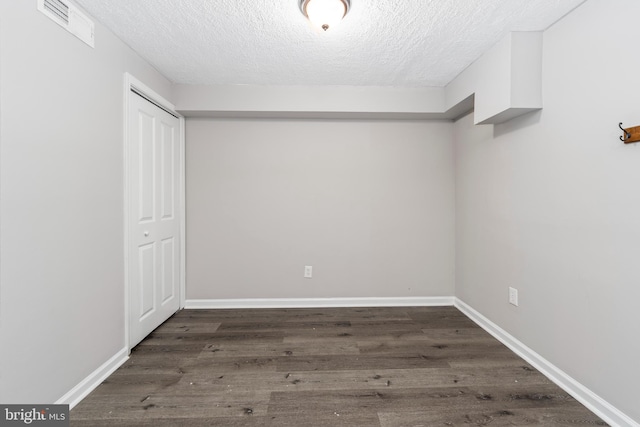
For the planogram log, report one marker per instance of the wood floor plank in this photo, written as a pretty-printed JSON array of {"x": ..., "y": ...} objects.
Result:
[
  {"x": 292, "y": 327},
  {"x": 359, "y": 328},
  {"x": 518, "y": 395},
  {"x": 386, "y": 367},
  {"x": 168, "y": 404},
  {"x": 217, "y": 350},
  {"x": 187, "y": 326},
  {"x": 162, "y": 347},
  {"x": 187, "y": 340},
  {"x": 347, "y": 402},
  {"x": 157, "y": 363},
  {"x": 490, "y": 363},
  {"x": 450, "y": 335},
  {"x": 137, "y": 384},
  {"x": 246, "y": 421},
  {"x": 223, "y": 381},
  {"x": 302, "y": 417},
  {"x": 206, "y": 365},
  {"x": 347, "y": 363},
  {"x": 440, "y": 350},
  {"x": 569, "y": 416},
  {"x": 248, "y": 337},
  {"x": 359, "y": 333},
  {"x": 439, "y": 319}
]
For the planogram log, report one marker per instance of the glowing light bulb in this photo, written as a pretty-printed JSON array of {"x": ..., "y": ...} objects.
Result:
[{"x": 325, "y": 14}]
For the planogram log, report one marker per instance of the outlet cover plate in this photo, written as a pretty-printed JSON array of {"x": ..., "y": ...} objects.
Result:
[
  {"x": 308, "y": 272},
  {"x": 513, "y": 296}
]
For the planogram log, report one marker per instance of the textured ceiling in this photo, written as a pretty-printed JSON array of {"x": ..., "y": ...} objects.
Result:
[{"x": 269, "y": 42}]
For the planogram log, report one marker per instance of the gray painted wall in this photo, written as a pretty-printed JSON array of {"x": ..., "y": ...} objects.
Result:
[
  {"x": 549, "y": 204},
  {"x": 62, "y": 292},
  {"x": 368, "y": 204}
]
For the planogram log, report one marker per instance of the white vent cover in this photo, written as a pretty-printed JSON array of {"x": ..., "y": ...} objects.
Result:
[{"x": 70, "y": 18}]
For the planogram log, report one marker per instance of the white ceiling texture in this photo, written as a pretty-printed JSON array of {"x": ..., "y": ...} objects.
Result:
[{"x": 406, "y": 43}]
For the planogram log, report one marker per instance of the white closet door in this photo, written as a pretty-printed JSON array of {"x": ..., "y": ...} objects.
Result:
[{"x": 154, "y": 217}]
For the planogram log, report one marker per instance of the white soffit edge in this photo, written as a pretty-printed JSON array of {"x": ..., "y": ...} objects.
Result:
[{"x": 504, "y": 83}]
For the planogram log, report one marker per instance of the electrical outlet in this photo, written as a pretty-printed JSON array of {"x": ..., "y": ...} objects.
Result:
[
  {"x": 513, "y": 296},
  {"x": 308, "y": 272}
]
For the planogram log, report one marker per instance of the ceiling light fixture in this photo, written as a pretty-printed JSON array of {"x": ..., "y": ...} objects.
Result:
[{"x": 325, "y": 14}]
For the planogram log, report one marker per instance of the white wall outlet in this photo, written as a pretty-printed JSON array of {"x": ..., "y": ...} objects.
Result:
[
  {"x": 513, "y": 296},
  {"x": 308, "y": 272}
]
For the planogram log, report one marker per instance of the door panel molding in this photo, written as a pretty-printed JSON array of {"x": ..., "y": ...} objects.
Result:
[{"x": 133, "y": 85}]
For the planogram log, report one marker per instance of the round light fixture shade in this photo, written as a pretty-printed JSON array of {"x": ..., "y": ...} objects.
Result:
[{"x": 325, "y": 14}]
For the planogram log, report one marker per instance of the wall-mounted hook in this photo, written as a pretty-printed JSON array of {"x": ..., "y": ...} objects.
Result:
[
  {"x": 630, "y": 134},
  {"x": 626, "y": 135}
]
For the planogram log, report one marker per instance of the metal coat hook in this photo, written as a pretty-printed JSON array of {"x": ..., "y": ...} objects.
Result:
[{"x": 626, "y": 135}]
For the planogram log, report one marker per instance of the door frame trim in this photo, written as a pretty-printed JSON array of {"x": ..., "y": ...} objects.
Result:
[{"x": 130, "y": 82}]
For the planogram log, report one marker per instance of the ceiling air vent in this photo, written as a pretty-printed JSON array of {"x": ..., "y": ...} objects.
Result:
[
  {"x": 69, "y": 17},
  {"x": 57, "y": 10}
]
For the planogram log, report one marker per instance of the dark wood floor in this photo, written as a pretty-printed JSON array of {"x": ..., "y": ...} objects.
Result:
[{"x": 385, "y": 367}]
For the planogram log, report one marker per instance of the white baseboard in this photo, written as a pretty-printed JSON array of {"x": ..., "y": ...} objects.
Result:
[
  {"x": 86, "y": 386},
  {"x": 318, "y": 302},
  {"x": 592, "y": 401}
]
